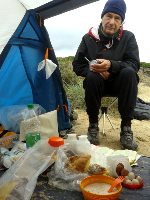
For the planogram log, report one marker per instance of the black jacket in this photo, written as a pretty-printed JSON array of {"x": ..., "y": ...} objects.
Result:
[{"x": 121, "y": 50}]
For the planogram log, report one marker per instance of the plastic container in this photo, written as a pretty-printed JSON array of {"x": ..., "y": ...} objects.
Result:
[
  {"x": 113, "y": 161},
  {"x": 99, "y": 179},
  {"x": 83, "y": 146},
  {"x": 31, "y": 127},
  {"x": 55, "y": 142}
]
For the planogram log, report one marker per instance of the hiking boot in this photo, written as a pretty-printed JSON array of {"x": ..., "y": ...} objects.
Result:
[
  {"x": 93, "y": 134},
  {"x": 127, "y": 140}
]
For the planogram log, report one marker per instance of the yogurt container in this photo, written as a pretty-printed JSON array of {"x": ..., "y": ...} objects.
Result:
[{"x": 113, "y": 161}]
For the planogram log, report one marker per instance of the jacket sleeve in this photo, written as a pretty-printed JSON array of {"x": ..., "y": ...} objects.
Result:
[
  {"x": 80, "y": 64},
  {"x": 130, "y": 57}
]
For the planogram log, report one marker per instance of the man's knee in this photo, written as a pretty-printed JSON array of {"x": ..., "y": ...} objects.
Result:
[
  {"x": 92, "y": 79},
  {"x": 129, "y": 73}
]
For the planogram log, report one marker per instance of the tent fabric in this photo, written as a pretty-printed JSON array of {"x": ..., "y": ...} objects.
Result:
[
  {"x": 8, "y": 20},
  {"x": 142, "y": 110},
  {"x": 47, "y": 8},
  {"x": 57, "y": 7},
  {"x": 21, "y": 83},
  {"x": 28, "y": 4}
]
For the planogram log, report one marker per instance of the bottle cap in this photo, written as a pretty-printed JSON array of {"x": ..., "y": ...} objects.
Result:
[
  {"x": 56, "y": 141},
  {"x": 30, "y": 106}
]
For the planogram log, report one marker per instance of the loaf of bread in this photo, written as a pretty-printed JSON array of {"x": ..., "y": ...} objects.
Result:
[{"x": 78, "y": 163}]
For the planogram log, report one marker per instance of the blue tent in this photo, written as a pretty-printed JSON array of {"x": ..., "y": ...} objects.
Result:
[{"x": 24, "y": 42}]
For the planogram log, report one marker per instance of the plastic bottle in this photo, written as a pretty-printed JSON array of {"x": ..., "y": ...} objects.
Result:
[
  {"x": 55, "y": 142},
  {"x": 72, "y": 140},
  {"x": 31, "y": 126},
  {"x": 83, "y": 146}
]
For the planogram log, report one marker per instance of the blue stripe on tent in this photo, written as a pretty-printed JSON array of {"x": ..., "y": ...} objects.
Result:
[
  {"x": 29, "y": 32},
  {"x": 15, "y": 87},
  {"x": 29, "y": 18}
]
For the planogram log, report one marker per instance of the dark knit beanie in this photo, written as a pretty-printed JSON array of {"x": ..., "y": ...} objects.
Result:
[{"x": 115, "y": 6}]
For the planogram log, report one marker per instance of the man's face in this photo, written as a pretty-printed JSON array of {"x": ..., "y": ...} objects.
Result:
[{"x": 110, "y": 23}]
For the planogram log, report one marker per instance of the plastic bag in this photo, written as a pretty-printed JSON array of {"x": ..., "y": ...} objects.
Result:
[
  {"x": 7, "y": 142},
  {"x": 19, "y": 181},
  {"x": 11, "y": 116},
  {"x": 9, "y": 157},
  {"x": 61, "y": 176}
]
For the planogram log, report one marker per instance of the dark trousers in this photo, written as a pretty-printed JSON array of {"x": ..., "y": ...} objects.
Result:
[{"x": 123, "y": 85}]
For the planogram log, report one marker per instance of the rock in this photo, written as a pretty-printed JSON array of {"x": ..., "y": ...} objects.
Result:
[{"x": 73, "y": 115}]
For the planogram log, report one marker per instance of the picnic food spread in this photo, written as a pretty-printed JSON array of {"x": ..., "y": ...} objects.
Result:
[{"x": 77, "y": 164}]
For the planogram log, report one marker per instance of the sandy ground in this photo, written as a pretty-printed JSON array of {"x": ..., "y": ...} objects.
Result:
[{"x": 111, "y": 137}]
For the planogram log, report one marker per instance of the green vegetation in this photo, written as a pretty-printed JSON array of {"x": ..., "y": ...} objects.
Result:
[
  {"x": 145, "y": 65},
  {"x": 73, "y": 86},
  {"x": 72, "y": 83}
]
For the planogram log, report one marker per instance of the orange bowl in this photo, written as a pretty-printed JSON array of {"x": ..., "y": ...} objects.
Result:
[{"x": 99, "y": 179}]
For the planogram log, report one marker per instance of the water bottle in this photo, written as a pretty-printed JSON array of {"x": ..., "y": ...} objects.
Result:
[{"x": 31, "y": 127}]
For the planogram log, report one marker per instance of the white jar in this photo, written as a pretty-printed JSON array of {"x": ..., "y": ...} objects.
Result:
[{"x": 83, "y": 146}]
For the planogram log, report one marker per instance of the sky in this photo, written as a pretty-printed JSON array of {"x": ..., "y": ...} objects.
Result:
[{"x": 66, "y": 30}]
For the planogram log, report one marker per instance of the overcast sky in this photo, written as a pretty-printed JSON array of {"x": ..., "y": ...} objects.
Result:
[{"x": 66, "y": 30}]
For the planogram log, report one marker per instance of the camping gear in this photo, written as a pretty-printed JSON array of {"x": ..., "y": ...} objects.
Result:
[
  {"x": 99, "y": 179},
  {"x": 141, "y": 110},
  {"x": 118, "y": 180}
]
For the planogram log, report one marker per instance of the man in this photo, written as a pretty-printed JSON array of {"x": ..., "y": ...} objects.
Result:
[{"x": 114, "y": 74}]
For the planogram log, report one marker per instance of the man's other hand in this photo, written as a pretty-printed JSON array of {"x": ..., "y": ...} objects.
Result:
[{"x": 105, "y": 75}]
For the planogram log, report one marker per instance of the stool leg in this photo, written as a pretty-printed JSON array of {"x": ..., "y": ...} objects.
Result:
[
  {"x": 110, "y": 121},
  {"x": 103, "y": 121}
]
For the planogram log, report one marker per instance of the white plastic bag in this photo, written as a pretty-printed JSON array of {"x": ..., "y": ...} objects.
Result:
[
  {"x": 22, "y": 176},
  {"x": 11, "y": 116}
]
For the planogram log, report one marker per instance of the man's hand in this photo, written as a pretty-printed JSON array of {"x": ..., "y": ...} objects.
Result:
[
  {"x": 105, "y": 75},
  {"x": 101, "y": 67}
]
